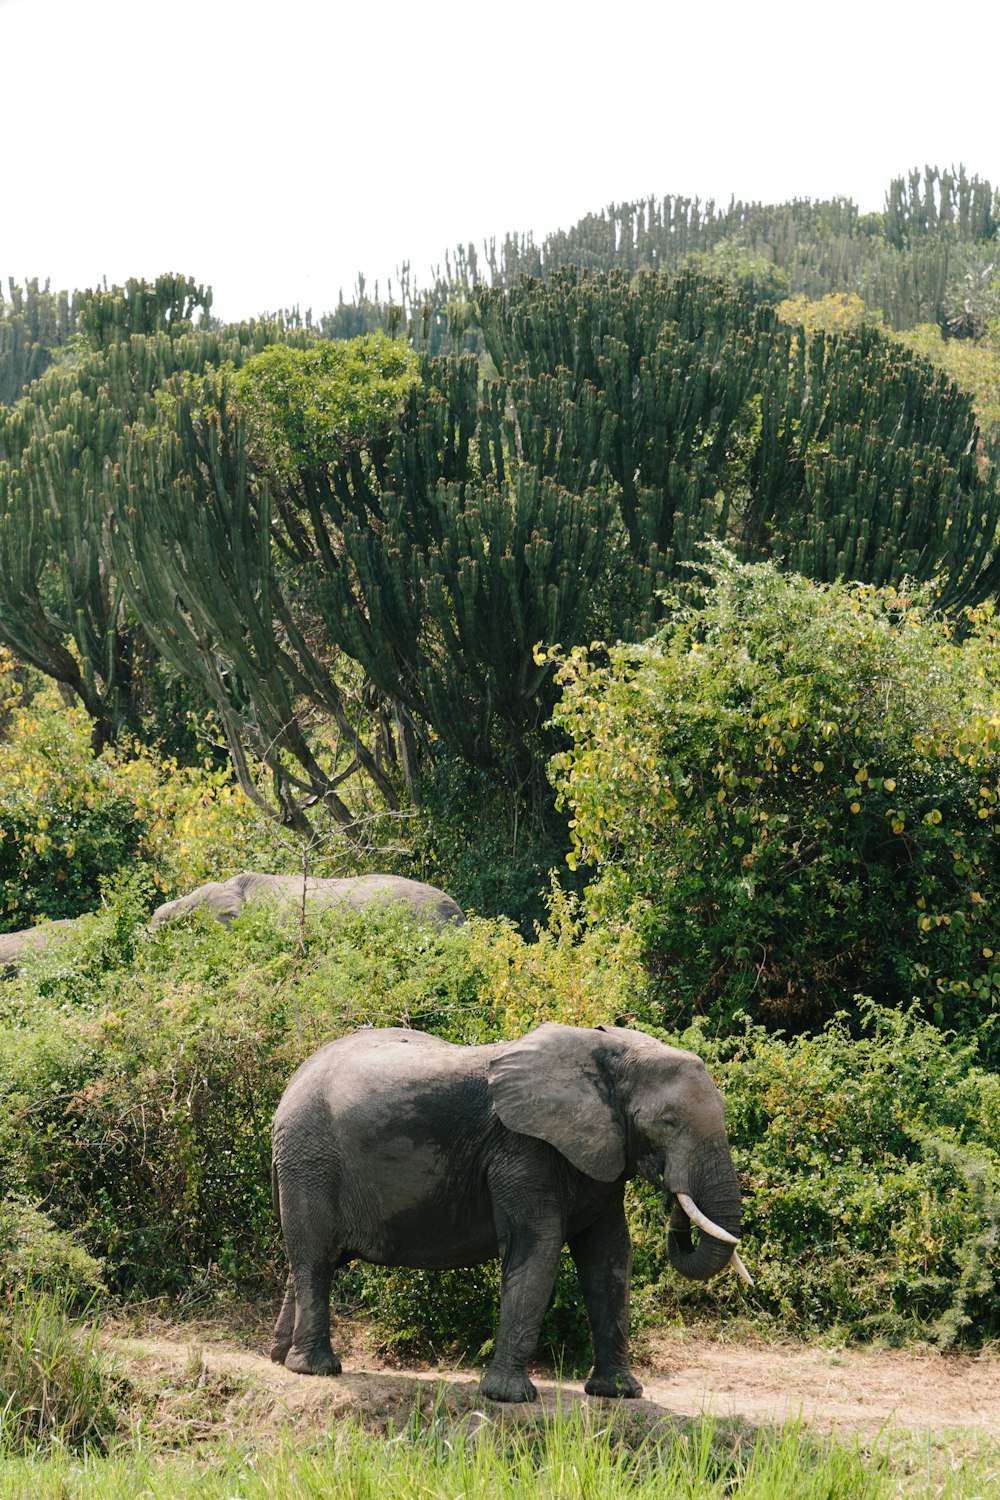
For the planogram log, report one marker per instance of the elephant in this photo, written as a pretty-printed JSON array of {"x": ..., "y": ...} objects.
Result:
[
  {"x": 14, "y": 945},
  {"x": 226, "y": 899},
  {"x": 398, "y": 1148}
]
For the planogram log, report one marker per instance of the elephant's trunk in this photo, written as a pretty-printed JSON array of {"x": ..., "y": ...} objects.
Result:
[{"x": 716, "y": 1192}]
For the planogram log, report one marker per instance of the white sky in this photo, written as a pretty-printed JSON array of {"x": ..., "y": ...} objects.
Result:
[{"x": 275, "y": 150}]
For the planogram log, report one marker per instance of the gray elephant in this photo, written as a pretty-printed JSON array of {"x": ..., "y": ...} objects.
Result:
[
  {"x": 14, "y": 945},
  {"x": 398, "y": 1148},
  {"x": 226, "y": 899}
]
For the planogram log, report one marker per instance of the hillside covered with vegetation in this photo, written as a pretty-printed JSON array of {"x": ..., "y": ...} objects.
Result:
[{"x": 639, "y": 589}]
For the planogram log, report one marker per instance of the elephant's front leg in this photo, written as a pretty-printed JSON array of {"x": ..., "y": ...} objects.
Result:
[
  {"x": 603, "y": 1256},
  {"x": 529, "y": 1259}
]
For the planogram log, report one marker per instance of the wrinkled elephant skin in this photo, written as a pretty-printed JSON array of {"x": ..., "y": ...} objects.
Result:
[
  {"x": 398, "y": 1148},
  {"x": 226, "y": 899}
]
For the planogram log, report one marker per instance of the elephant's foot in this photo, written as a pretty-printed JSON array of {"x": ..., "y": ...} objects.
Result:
[
  {"x": 507, "y": 1385},
  {"x": 279, "y": 1350},
  {"x": 312, "y": 1362},
  {"x": 618, "y": 1383}
]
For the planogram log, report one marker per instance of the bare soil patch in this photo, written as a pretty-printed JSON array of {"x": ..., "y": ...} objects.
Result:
[{"x": 207, "y": 1380}]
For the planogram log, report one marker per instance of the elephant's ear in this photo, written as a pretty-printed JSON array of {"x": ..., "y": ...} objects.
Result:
[{"x": 551, "y": 1084}]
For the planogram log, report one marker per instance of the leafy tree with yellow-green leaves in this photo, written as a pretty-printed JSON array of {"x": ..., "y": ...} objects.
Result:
[
  {"x": 837, "y": 312},
  {"x": 973, "y": 364},
  {"x": 794, "y": 792}
]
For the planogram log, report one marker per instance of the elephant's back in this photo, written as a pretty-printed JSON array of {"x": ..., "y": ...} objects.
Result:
[
  {"x": 397, "y": 1126},
  {"x": 353, "y": 893},
  {"x": 425, "y": 900},
  {"x": 378, "y": 1066}
]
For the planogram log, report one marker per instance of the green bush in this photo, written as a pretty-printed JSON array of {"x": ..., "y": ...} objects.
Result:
[
  {"x": 871, "y": 1169},
  {"x": 304, "y": 405},
  {"x": 63, "y": 821},
  {"x": 70, "y": 819},
  {"x": 793, "y": 794},
  {"x": 756, "y": 274},
  {"x": 484, "y": 846},
  {"x": 35, "y": 1254}
]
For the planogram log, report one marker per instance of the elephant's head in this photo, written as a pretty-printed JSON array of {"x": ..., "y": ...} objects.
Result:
[{"x": 616, "y": 1103}]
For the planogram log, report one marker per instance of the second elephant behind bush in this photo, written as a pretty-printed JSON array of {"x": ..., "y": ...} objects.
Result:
[{"x": 226, "y": 899}]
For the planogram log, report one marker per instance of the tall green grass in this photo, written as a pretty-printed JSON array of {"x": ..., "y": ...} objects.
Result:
[
  {"x": 58, "y": 1389},
  {"x": 578, "y": 1454}
]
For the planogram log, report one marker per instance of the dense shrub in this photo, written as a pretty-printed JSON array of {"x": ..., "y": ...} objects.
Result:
[
  {"x": 837, "y": 312},
  {"x": 871, "y": 1172},
  {"x": 34, "y": 1253},
  {"x": 63, "y": 821},
  {"x": 793, "y": 793},
  {"x": 490, "y": 849},
  {"x": 70, "y": 818}
]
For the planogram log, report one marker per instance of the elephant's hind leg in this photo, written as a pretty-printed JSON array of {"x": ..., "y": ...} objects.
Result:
[
  {"x": 302, "y": 1333},
  {"x": 285, "y": 1324}
]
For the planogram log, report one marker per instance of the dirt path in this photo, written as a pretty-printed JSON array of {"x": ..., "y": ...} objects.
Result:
[
  {"x": 854, "y": 1390},
  {"x": 206, "y": 1379}
]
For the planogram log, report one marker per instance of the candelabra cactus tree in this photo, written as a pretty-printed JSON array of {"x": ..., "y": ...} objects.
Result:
[
  {"x": 191, "y": 541},
  {"x": 33, "y": 323},
  {"x": 347, "y": 503},
  {"x": 413, "y": 544},
  {"x": 840, "y": 456},
  {"x": 62, "y": 607}
]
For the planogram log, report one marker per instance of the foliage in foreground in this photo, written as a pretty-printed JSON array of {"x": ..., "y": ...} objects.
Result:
[
  {"x": 793, "y": 792},
  {"x": 136, "y": 1096},
  {"x": 450, "y": 1456}
]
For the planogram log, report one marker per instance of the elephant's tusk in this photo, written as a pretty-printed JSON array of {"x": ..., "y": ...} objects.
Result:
[
  {"x": 741, "y": 1269},
  {"x": 703, "y": 1222}
]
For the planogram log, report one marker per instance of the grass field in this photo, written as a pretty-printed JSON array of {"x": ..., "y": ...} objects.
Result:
[{"x": 577, "y": 1454}]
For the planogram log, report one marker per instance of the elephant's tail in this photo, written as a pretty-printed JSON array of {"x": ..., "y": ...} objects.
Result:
[{"x": 275, "y": 1194}]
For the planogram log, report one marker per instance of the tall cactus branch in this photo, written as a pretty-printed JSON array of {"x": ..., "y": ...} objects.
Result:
[{"x": 191, "y": 541}]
